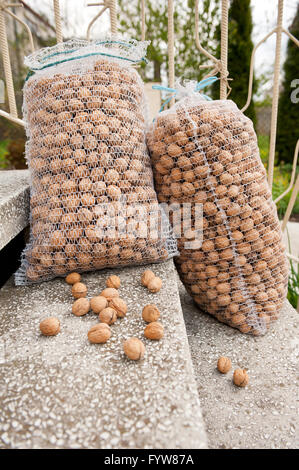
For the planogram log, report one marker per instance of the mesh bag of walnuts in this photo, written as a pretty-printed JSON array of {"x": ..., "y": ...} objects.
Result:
[
  {"x": 205, "y": 153},
  {"x": 92, "y": 195}
]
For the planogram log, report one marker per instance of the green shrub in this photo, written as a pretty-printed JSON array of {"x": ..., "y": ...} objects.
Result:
[
  {"x": 4, "y": 153},
  {"x": 281, "y": 177}
]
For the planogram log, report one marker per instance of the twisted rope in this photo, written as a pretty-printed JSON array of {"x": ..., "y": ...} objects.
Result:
[
  {"x": 224, "y": 50},
  {"x": 275, "y": 94},
  {"x": 58, "y": 26},
  {"x": 7, "y": 65},
  {"x": 113, "y": 16},
  {"x": 219, "y": 66},
  {"x": 170, "y": 47}
]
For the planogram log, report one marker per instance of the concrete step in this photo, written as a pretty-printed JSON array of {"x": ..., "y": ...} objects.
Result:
[
  {"x": 62, "y": 392},
  {"x": 265, "y": 413},
  {"x": 14, "y": 204}
]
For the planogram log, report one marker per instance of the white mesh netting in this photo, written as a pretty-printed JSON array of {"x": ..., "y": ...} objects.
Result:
[
  {"x": 205, "y": 152},
  {"x": 93, "y": 204}
]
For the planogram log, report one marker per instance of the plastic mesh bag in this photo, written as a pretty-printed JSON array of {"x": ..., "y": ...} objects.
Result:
[
  {"x": 92, "y": 195},
  {"x": 206, "y": 153}
]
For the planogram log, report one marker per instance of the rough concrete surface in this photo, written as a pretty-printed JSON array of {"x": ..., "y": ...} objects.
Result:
[
  {"x": 14, "y": 204},
  {"x": 265, "y": 413},
  {"x": 62, "y": 392}
]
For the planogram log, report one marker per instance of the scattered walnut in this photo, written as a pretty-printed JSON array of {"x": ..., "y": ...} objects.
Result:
[
  {"x": 134, "y": 349},
  {"x": 109, "y": 293},
  {"x": 50, "y": 326},
  {"x": 113, "y": 281},
  {"x": 146, "y": 277},
  {"x": 98, "y": 303},
  {"x": 119, "y": 305},
  {"x": 240, "y": 377},
  {"x": 154, "y": 330},
  {"x": 108, "y": 315},
  {"x": 99, "y": 333},
  {"x": 154, "y": 285},
  {"x": 81, "y": 307},
  {"x": 224, "y": 364},
  {"x": 73, "y": 278},
  {"x": 150, "y": 313},
  {"x": 79, "y": 290}
]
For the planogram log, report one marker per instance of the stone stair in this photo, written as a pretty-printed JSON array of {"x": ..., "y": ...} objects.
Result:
[
  {"x": 14, "y": 204},
  {"x": 62, "y": 392}
]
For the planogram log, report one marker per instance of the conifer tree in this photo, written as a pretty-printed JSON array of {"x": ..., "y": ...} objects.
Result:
[
  {"x": 239, "y": 54},
  {"x": 288, "y": 111}
]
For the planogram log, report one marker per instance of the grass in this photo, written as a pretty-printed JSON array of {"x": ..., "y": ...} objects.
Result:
[
  {"x": 281, "y": 181},
  {"x": 281, "y": 178},
  {"x": 3, "y": 153},
  {"x": 293, "y": 283}
]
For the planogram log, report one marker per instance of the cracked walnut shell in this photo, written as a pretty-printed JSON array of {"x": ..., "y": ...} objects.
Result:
[{"x": 119, "y": 305}]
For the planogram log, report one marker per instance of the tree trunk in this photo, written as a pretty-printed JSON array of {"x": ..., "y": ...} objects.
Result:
[{"x": 157, "y": 71}]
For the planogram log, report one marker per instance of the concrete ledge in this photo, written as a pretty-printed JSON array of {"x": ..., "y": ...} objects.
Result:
[
  {"x": 14, "y": 204},
  {"x": 264, "y": 415},
  {"x": 62, "y": 392}
]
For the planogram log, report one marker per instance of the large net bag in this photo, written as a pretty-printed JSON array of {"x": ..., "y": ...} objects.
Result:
[
  {"x": 206, "y": 153},
  {"x": 92, "y": 195}
]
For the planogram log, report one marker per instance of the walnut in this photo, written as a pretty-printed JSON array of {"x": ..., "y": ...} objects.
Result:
[
  {"x": 240, "y": 378},
  {"x": 147, "y": 276},
  {"x": 154, "y": 285},
  {"x": 99, "y": 333},
  {"x": 81, "y": 307},
  {"x": 79, "y": 290},
  {"x": 50, "y": 326},
  {"x": 134, "y": 349},
  {"x": 154, "y": 330},
  {"x": 109, "y": 293},
  {"x": 108, "y": 315},
  {"x": 224, "y": 364},
  {"x": 119, "y": 305},
  {"x": 113, "y": 281},
  {"x": 150, "y": 313},
  {"x": 98, "y": 303},
  {"x": 72, "y": 278}
]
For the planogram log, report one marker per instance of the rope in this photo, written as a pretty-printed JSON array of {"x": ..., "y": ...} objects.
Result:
[
  {"x": 94, "y": 20},
  {"x": 57, "y": 16},
  {"x": 25, "y": 26},
  {"x": 291, "y": 204},
  {"x": 113, "y": 16},
  {"x": 7, "y": 66},
  {"x": 275, "y": 94},
  {"x": 224, "y": 50},
  {"x": 170, "y": 47},
  {"x": 218, "y": 66}
]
